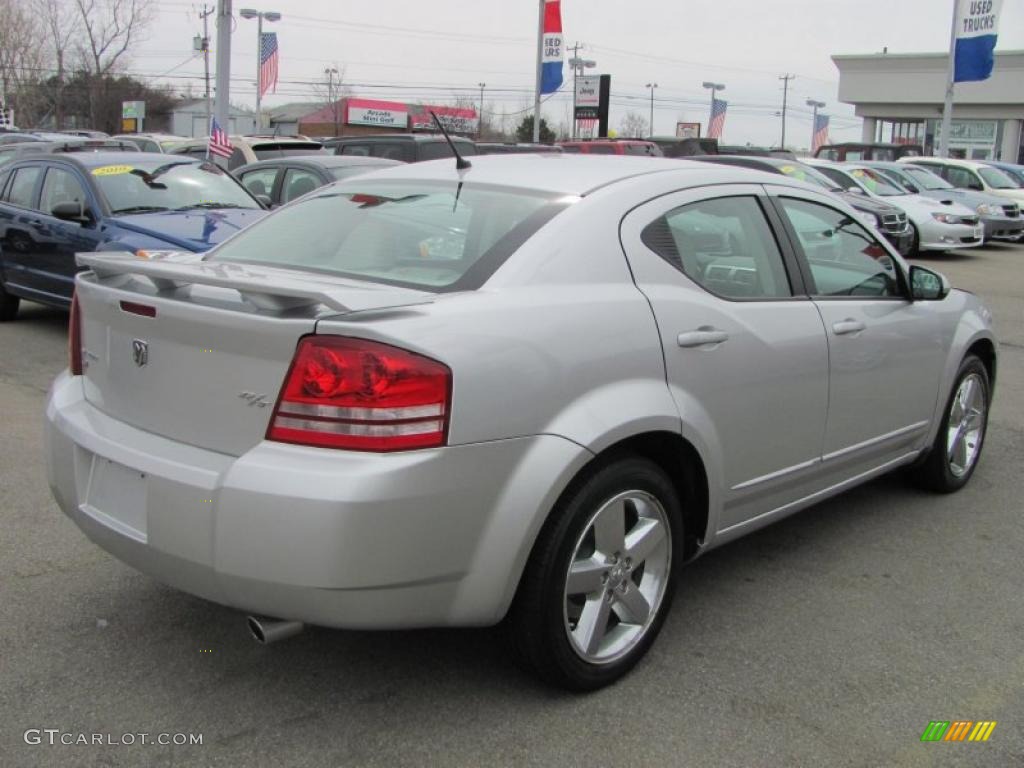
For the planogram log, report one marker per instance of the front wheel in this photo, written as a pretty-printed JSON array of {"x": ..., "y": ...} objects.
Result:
[
  {"x": 599, "y": 581},
  {"x": 957, "y": 447}
]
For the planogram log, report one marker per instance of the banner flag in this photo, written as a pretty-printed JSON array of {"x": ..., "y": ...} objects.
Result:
[
  {"x": 977, "y": 26},
  {"x": 551, "y": 77}
]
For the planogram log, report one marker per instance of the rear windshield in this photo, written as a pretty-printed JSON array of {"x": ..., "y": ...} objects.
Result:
[{"x": 434, "y": 236}]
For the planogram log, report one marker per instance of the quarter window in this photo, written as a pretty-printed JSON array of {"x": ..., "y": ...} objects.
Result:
[
  {"x": 844, "y": 259},
  {"x": 260, "y": 181},
  {"x": 298, "y": 182},
  {"x": 20, "y": 192},
  {"x": 724, "y": 245}
]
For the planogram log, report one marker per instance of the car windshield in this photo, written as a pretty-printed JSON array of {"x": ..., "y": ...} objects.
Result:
[
  {"x": 927, "y": 179},
  {"x": 808, "y": 174},
  {"x": 877, "y": 184},
  {"x": 426, "y": 235},
  {"x": 997, "y": 179},
  {"x": 151, "y": 186}
]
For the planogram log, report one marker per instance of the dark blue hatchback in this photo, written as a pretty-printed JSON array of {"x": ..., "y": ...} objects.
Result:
[{"x": 54, "y": 206}]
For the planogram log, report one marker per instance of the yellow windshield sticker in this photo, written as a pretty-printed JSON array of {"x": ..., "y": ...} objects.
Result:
[
  {"x": 111, "y": 170},
  {"x": 788, "y": 169},
  {"x": 858, "y": 174}
]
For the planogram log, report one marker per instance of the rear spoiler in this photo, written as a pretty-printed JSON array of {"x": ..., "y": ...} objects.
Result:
[{"x": 267, "y": 288}]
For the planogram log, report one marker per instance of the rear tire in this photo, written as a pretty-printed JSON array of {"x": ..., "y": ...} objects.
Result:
[
  {"x": 599, "y": 582},
  {"x": 8, "y": 306},
  {"x": 957, "y": 447}
]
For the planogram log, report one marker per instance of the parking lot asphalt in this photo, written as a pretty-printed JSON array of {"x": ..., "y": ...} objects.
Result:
[{"x": 829, "y": 639}]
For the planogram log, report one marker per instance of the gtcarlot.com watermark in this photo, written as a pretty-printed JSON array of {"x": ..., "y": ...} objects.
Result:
[{"x": 55, "y": 736}]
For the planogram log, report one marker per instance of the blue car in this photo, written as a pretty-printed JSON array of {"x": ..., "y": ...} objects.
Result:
[
  {"x": 1013, "y": 170},
  {"x": 54, "y": 206}
]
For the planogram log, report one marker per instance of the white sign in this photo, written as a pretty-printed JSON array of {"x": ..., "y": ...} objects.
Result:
[
  {"x": 132, "y": 110},
  {"x": 588, "y": 91},
  {"x": 389, "y": 118}
]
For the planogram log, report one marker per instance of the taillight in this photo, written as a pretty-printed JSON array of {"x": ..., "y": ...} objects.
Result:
[
  {"x": 75, "y": 338},
  {"x": 361, "y": 395}
]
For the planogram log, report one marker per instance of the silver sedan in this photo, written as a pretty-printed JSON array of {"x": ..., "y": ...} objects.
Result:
[{"x": 533, "y": 388}]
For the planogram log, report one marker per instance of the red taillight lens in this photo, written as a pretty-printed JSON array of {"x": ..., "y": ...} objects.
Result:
[
  {"x": 361, "y": 395},
  {"x": 75, "y": 338}
]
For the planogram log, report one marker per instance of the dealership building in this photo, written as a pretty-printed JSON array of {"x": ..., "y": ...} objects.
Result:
[
  {"x": 900, "y": 98},
  {"x": 351, "y": 116}
]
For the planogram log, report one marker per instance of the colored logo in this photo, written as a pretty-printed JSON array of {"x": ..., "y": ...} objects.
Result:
[{"x": 958, "y": 730}]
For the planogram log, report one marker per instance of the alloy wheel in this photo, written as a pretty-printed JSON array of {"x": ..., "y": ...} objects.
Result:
[
  {"x": 617, "y": 577},
  {"x": 966, "y": 425}
]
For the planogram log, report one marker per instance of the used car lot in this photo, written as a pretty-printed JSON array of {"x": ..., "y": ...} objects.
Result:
[
  {"x": 881, "y": 610},
  {"x": 712, "y": 639}
]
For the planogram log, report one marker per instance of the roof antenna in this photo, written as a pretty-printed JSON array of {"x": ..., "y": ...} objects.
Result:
[{"x": 461, "y": 163}]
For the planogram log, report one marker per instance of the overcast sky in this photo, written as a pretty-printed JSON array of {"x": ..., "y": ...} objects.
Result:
[{"x": 435, "y": 50}]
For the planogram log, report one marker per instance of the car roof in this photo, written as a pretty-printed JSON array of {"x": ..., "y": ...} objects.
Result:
[
  {"x": 100, "y": 159},
  {"x": 972, "y": 164},
  {"x": 567, "y": 174},
  {"x": 394, "y": 137},
  {"x": 321, "y": 161}
]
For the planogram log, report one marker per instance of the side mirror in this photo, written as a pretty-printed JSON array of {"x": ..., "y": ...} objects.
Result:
[
  {"x": 926, "y": 285},
  {"x": 855, "y": 190},
  {"x": 71, "y": 210}
]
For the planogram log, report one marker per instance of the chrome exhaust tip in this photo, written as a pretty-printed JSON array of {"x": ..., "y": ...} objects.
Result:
[{"x": 266, "y": 630}]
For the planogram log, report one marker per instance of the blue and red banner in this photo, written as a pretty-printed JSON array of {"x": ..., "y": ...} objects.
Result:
[
  {"x": 977, "y": 27},
  {"x": 553, "y": 46}
]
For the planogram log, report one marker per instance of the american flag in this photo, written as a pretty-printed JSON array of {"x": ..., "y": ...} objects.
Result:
[
  {"x": 820, "y": 136},
  {"x": 220, "y": 143},
  {"x": 717, "y": 122},
  {"x": 268, "y": 62}
]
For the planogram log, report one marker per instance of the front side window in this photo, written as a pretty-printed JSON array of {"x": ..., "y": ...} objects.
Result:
[
  {"x": 60, "y": 186},
  {"x": 927, "y": 179},
  {"x": 724, "y": 245},
  {"x": 844, "y": 259},
  {"x": 22, "y": 187},
  {"x": 260, "y": 181},
  {"x": 963, "y": 178},
  {"x": 433, "y": 236},
  {"x": 154, "y": 186}
]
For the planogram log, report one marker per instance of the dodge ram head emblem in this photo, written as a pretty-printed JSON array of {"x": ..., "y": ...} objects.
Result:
[{"x": 140, "y": 352}]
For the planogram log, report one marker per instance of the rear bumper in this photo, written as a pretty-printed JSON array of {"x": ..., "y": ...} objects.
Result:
[{"x": 358, "y": 540}]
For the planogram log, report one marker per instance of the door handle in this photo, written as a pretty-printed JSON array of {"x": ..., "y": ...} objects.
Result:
[
  {"x": 847, "y": 326},
  {"x": 37, "y": 224},
  {"x": 703, "y": 335}
]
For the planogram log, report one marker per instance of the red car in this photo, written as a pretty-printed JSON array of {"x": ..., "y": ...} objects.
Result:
[{"x": 612, "y": 147}]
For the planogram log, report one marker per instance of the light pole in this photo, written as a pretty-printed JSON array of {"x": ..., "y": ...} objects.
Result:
[
  {"x": 815, "y": 105},
  {"x": 480, "y": 114},
  {"x": 249, "y": 13},
  {"x": 578, "y": 66},
  {"x": 331, "y": 72},
  {"x": 650, "y": 126},
  {"x": 714, "y": 88}
]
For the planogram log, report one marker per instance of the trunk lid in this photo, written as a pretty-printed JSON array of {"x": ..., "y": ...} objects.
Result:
[{"x": 207, "y": 367}]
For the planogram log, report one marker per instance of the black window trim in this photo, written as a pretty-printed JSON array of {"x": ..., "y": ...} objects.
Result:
[
  {"x": 36, "y": 189},
  {"x": 790, "y": 265},
  {"x": 805, "y": 267}
]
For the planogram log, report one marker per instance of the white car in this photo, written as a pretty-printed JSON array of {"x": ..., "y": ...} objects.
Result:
[
  {"x": 969, "y": 174},
  {"x": 938, "y": 225}
]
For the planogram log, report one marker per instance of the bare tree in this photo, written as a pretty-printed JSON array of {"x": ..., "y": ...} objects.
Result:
[
  {"x": 109, "y": 29},
  {"x": 633, "y": 125},
  {"x": 61, "y": 22},
  {"x": 331, "y": 90}
]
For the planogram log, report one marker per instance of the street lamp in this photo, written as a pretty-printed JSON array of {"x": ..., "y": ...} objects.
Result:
[
  {"x": 480, "y": 114},
  {"x": 714, "y": 88},
  {"x": 650, "y": 126},
  {"x": 331, "y": 72},
  {"x": 815, "y": 105},
  {"x": 249, "y": 13},
  {"x": 578, "y": 65}
]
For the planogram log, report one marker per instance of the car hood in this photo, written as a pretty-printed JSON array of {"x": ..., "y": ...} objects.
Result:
[
  {"x": 865, "y": 203},
  {"x": 197, "y": 230},
  {"x": 967, "y": 197},
  {"x": 925, "y": 206}
]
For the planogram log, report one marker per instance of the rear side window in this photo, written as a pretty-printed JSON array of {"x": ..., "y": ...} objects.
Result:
[
  {"x": 724, "y": 245},
  {"x": 260, "y": 181},
  {"x": 298, "y": 182},
  {"x": 359, "y": 150},
  {"x": 435, "y": 236},
  {"x": 601, "y": 149},
  {"x": 398, "y": 151},
  {"x": 22, "y": 186},
  {"x": 434, "y": 150}
]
